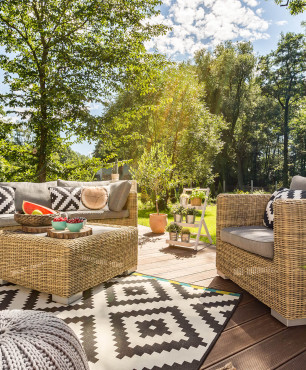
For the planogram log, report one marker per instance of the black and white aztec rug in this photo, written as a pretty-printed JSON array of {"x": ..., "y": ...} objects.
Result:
[{"x": 138, "y": 321}]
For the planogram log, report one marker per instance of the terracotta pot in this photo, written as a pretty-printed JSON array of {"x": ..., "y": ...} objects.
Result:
[
  {"x": 158, "y": 223},
  {"x": 196, "y": 202}
]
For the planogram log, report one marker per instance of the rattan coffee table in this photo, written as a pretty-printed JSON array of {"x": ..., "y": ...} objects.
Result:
[{"x": 65, "y": 268}]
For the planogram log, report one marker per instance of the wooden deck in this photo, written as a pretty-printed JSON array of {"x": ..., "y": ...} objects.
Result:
[{"x": 253, "y": 339}]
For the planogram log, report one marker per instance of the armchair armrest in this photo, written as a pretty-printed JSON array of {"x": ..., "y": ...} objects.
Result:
[
  {"x": 240, "y": 210},
  {"x": 290, "y": 233}
]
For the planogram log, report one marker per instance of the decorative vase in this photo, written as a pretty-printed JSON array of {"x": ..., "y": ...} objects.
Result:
[
  {"x": 158, "y": 222},
  {"x": 115, "y": 177},
  {"x": 190, "y": 219},
  {"x": 185, "y": 238},
  {"x": 196, "y": 202},
  {"x": 177, "y": 217},
  {"x": 173, "y": 236}
]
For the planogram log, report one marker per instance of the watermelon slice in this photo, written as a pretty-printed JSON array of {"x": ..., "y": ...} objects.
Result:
[{"x": 29, "y": 207}]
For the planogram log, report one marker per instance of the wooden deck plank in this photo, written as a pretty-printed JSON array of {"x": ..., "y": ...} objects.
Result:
[
  {"x": 252, "y": 339},
  {"x": 270, "y": 353},
  {"x": 296, "y": 363},
  {"x": 241, "y": 337},
  {"x": 247, "y": 312}
]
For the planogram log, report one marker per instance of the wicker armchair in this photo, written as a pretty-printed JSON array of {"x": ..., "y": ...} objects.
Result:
[{"x": 280, "y": 283}]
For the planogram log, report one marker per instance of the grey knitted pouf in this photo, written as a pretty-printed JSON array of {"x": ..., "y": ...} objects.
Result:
[{"x": 38, "y": 340}]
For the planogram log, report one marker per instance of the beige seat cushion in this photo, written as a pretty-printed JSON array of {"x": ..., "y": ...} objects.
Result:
[
  {"x": 7, "y": 220},
  {"x": 98, "y": 215},
  {"x": 255, "y": 239}
]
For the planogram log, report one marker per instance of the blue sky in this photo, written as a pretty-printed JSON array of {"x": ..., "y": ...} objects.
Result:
[{"x": 205, "y": 23}]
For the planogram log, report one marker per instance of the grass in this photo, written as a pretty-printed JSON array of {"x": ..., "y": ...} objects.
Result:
[{"x": 210, "y": 219}]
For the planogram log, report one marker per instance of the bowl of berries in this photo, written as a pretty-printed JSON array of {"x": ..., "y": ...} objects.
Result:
[
  {"x": 59, "y": 223},
  {"x": 75, "y": 224}
]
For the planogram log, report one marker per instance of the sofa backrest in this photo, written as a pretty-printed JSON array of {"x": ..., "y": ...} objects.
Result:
[
  {"x": 67, "y": 183},
  {"x": 31, "y": 192},
  {"x": 298, "y": 183},
  {"x": 119, "y": 190}
]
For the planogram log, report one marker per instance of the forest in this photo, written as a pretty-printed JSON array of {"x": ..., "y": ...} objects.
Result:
[{"x": 225, "y": 115}]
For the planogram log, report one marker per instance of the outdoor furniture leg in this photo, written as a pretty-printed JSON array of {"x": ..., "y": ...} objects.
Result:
[
  {"x": 222, "y": 275},
  {"x": 67, "y": 300},
  {"x": 130, "y": 271},
  {"x": 287, "y": 322}
]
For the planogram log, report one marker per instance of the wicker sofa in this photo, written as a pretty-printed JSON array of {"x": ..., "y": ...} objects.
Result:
[
  {"x": 39, "y": 193},
  {"x": 280, "y": 281}
]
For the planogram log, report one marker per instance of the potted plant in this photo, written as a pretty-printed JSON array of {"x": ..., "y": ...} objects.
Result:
[
  {"x": 185, "y": 235},
  {"x": 184, "y": 199},
  {"x": 197, "y": 196},
  {"x": 155, "y": 171},
  {"x": 178, "y": 212},
  {"x": 173, "y": 230},
  {"x": 191, "y": 214}
]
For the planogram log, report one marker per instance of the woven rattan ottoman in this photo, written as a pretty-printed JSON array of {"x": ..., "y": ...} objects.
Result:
[{"x": 65, "y": 268}]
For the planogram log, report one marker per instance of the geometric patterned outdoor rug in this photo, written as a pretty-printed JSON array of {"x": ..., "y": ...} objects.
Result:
[{"x": 138, "y": 321}]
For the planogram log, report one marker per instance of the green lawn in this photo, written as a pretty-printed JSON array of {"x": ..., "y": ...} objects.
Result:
[{"x": 210, "y": 218}]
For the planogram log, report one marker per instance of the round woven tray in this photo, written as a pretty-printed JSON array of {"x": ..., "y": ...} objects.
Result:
[{"x": 34, "y": 220}]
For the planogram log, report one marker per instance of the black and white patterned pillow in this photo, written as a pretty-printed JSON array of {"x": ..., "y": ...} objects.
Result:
[
  {"x": 65, "y": 198},
  {"x": 282, "y": 193},
  {"x": 7, "y": 200}
]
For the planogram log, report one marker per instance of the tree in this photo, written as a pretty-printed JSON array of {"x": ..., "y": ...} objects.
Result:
[
  {"x": 227, "y": 73},
  {"x": 282, "y": 76},
  {"x": 154, "y": 171},
  {"x": 62, "y": 55},
  {"x": 295, "y": 6},
  {"x": 172, "y": 114}
]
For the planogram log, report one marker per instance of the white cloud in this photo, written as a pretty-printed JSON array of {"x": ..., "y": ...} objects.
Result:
[
  {"x": 251, "y": 2},
  {"x": 204, "y": 23},
  {"x": 281, "y": 23}
]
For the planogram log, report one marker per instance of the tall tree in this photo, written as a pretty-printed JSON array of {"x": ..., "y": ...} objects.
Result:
[
  {"x": 282, "y": 76},
  {"x": 63, "y": 55},
  {"x": 172, "y": 114},
  {"x": 294, "y": 6},
  {"x": 227, "y": 73}
]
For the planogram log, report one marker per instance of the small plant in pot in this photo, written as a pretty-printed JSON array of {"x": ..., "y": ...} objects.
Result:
[
  {"x": 191, "y": 214},
  {"x": 197, "y": 196},
  {"x": 174, "y": 231},
  {"x": 185, "y": 235},
  {"x": 178, "y": 212},
  {"x": 155, "y": 171},
  {"x": 184, "y": 199}
]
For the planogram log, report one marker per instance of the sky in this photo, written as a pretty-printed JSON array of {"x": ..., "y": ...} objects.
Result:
[
  {"x": 205, "y": 23},
  {"x": 200, "y": 24}
]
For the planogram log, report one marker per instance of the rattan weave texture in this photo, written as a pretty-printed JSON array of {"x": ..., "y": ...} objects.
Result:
[
  {"x": 34, "y": 220},
  {"x": 279, "y": 283},
  {"x": 66, "y": 267}
]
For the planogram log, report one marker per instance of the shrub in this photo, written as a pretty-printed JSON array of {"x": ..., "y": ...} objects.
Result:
[
  {"x": 185, "y": 230},
  {"x": 174, "y": 228}
]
